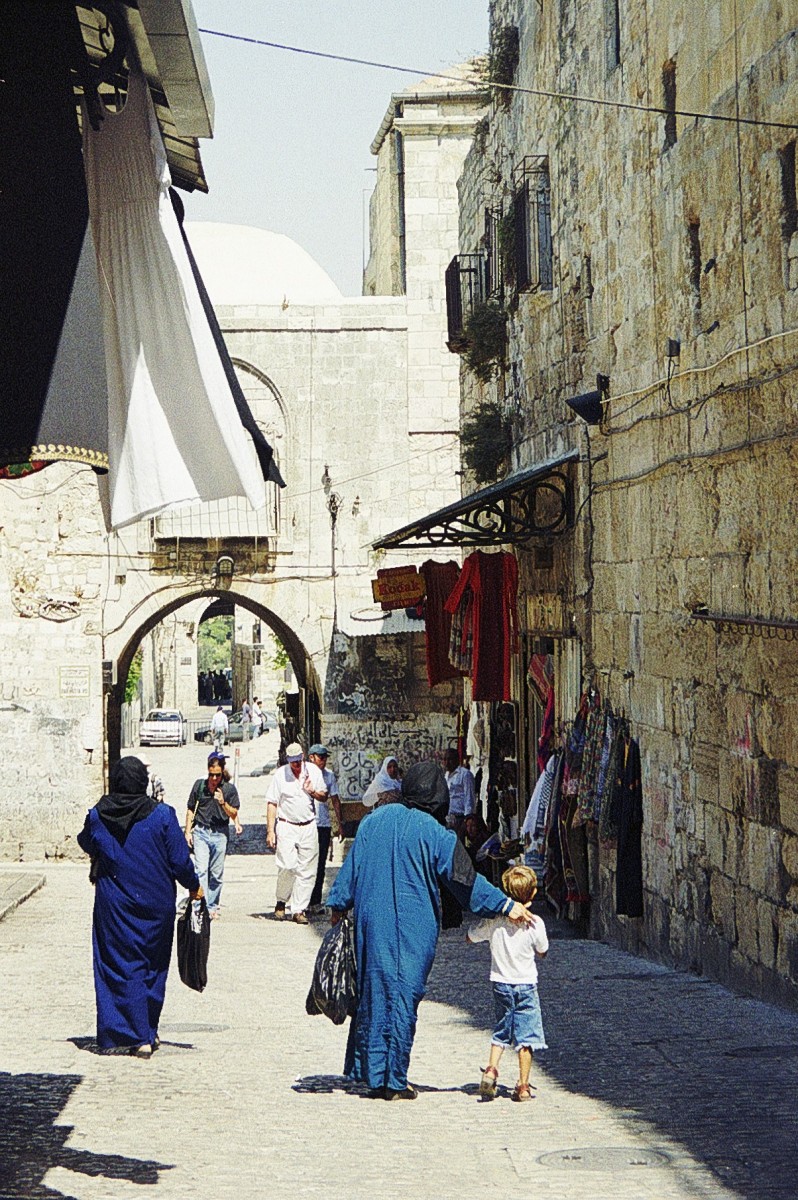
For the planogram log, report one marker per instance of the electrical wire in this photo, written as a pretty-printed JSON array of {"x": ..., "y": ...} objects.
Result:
[{"x": 485, "y": 84}]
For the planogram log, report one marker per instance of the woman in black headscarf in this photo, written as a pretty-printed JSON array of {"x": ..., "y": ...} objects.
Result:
[
  {"x": 390, "y": 878},
  {"x": 138, "y": 851}
]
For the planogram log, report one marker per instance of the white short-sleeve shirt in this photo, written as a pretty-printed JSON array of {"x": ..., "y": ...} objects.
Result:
[
  {"x": 287, "y": 792},
  {"x": 512, "y": 948}
]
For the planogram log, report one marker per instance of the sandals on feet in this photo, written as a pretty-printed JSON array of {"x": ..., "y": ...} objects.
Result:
[
  {"x": 487, "y": 1086},
  {"x": 522, "y": 1093}
]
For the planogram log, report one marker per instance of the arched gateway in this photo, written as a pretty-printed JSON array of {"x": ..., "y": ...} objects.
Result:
[{"x": 127, "y": 638}]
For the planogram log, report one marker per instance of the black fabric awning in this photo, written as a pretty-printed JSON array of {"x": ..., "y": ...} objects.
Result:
[{"x": 534, "y": 503}]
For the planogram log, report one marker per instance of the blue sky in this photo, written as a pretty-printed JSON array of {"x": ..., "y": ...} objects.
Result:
[{"x": 290, "y": 151}]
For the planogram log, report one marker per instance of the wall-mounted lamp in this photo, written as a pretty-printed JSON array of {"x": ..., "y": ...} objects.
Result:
[
  {"x": 326, "y": 480},
  {"x": 355, "y": 506},
  {"x": 223, "y": 571},
  {"x": 589, "y": 405}
]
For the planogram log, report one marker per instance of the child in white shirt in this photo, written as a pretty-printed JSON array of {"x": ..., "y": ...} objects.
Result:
[{"x": 514, "y": 974}]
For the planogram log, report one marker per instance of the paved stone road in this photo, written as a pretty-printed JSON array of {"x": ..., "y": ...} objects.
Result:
[{"x": 657, "y": 1085}]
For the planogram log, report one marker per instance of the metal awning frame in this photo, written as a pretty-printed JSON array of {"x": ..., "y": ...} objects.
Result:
[{"x": 535, "y": 504}]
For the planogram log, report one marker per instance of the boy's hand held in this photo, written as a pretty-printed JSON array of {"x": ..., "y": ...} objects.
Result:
[{"x": 520, "y": 915}]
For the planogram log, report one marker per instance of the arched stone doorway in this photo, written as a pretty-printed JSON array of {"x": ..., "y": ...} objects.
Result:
[{"x": 304, "y": 671}]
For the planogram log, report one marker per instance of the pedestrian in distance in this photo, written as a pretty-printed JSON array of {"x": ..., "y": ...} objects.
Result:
[
  {"x": 213, "y": 802},
  {"x": 390, "y": 879},
  {"x": 291, "y": 831},
  {"x": 246, "y": 720},
  {"x": 318, "y": 755},
  {"x": 220, "y": 727},
  {"x": 257, "y": 718},
  {"x": 138, "y": 856},
  {"x": 514, "y": 975},
  {"x": 460, "y": 783}
]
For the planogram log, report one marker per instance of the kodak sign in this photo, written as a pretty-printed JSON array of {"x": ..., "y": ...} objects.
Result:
[{"x": 398, "y": 587}]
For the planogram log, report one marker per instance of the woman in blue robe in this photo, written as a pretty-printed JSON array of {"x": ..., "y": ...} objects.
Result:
[
  {"x": 138, "y": 851},
  {"x": 390, "y": 878}
]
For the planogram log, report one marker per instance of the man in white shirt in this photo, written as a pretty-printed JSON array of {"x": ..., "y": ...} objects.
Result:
[
  {"x": 219, "y": 728},
  {"x": 319, "y": 754},
  {"x": 460, "y": 783},
  {"x": 291, "y": 830}
]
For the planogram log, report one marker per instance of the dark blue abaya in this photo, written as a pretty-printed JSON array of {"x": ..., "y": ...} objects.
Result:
[
  {"x": 134, "y": 920},
  {"x": 390, "y": 878}
]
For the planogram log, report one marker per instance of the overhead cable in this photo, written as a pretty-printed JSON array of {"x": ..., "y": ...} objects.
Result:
[{"x": 483, "y": 84}]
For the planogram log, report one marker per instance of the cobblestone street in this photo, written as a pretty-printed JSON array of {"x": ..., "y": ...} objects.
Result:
[{"x": 657, "y": 1084}]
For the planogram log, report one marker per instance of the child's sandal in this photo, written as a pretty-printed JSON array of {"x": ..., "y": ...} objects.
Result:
[
  {"x": 487, "y": 1086},
  {"x": 522, "y": 1093}
]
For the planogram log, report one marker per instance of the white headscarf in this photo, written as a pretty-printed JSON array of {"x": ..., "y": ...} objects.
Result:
[{"x": 383, "y": 781}]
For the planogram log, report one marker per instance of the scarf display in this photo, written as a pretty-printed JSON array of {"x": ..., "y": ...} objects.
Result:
[{"x": 439, "y": 579}]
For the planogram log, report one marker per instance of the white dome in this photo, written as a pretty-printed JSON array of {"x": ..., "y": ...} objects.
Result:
[{"x": 243, "y": 265}]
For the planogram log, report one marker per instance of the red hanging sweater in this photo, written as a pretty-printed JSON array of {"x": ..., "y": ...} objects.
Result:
[{"x": 487, "y": 595}]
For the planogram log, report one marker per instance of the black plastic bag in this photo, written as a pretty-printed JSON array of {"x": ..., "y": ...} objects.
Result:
[
  {"x": 193, "y": 944},
  {"x": 333, "y": 991}
]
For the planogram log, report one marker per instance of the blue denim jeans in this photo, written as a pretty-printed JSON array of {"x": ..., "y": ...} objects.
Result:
[
  {"x": 210, "y": 848},
  {"x": 518, "y": 1017}
]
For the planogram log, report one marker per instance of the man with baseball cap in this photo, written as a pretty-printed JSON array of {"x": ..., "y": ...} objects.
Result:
[
  {"x": 291, "y": 801},
  {"x": 319, "y": 754}
]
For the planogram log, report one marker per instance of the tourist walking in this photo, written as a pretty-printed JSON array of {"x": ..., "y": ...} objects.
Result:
[
  {"x": 220, "y": 727},
  {"x": 318, "y": 755},
  {"x": 390, "y": 878},
  {"x": 212, "y": 804},
  {"x": 291, "y": 831},
  {"x": 514, "y": 975},
  {"x": 138, "y": 855}
]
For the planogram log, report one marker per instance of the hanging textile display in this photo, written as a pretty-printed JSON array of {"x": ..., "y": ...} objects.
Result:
[
  {"x": 629, "y": 866},
  {"x": 53, "y": 402},
  {"x": 173, "y": 429},
  {"x": 484, "y": 611},
  {"x": 440, "y": 579},
  {"x": 536, "y": 821}
]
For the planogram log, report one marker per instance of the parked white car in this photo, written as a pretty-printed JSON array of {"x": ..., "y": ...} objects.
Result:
[{"x": 163, "y": 727}]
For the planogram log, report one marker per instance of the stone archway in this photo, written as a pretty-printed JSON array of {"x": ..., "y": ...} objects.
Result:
[{"x": 299, "y": 657}]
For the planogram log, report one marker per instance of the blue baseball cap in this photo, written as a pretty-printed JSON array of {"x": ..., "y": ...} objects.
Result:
[{"x": 318, "y": 748}]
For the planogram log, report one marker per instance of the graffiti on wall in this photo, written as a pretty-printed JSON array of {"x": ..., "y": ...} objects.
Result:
[{"x": 357, "y": 747}]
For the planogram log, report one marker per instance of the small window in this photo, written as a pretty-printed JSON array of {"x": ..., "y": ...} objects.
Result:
[
  {"x": 789, "y": 202},
  {"x": 669, "y": 102},
  {"x": 612, "y": 34},
  {"x": 494, "y": 272},
  {"x": 694, "y": 258},
  {"x": 465, "y": 281},
  {"x": 534, "y": 266}
]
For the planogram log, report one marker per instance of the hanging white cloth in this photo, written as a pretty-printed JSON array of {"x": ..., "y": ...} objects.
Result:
[{"x": 173, "y": 430}]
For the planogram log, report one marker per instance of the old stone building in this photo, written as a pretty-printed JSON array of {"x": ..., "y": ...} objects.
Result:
[
  {"x": 628, "y": 212},
  {"x": 359, "y": 398}
]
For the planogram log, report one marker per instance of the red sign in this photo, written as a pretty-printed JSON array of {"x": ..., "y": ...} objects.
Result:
[{"x": 398, "y": 587}]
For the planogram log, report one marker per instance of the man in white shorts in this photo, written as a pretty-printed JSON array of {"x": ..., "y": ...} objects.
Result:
[{"x": 291, "y": 831}]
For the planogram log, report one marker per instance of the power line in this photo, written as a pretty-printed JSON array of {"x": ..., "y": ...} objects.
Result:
[{"x": 484, "y": 84}]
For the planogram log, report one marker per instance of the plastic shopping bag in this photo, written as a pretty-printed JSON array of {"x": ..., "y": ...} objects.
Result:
[
  {"x": 193, "y": 944},
  {"x": 333, "y": 990}
]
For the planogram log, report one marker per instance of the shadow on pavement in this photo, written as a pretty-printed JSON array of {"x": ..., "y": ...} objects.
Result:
[
  {"x": 90, "y": 1045},
  {"x": 31, "y": 1143},
  {"x": 672, "y": 1053},
  {"x": 251, "y": 841}
]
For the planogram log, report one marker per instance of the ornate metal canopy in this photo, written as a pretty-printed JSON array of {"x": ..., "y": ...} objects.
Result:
[{"x": 536, "y": 503}]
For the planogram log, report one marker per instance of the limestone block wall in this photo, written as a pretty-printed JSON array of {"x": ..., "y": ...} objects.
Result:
[
  {"x": 52, "y": 580},
  {"x": 680, "y": 230}
]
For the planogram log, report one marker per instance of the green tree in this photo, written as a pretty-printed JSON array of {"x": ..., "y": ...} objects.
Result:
[
  {"x": 215, "y": 644},
  {"x": 133, "y": 677}
]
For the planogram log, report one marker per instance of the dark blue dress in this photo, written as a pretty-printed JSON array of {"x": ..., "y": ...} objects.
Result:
[
  {"x": 391, "y": 877},
  {"x": 134, "y": 920}
]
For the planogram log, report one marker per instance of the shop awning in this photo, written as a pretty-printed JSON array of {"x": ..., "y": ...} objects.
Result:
[{"x": 534, "y": 503}]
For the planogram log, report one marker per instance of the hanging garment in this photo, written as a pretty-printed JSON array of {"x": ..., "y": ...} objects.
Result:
[
  {"x": 439, "y": 579},
  {"x": 536, "y": 819},
  {"x": 610, "y": 809},
  {"x": 595, "y": 729},
  {"x": 555, "y": 874},
  {"x": 546, "y": 733},
  {"x": 53, "y": 394},
  {"x": 173, "y": 430},
  {"x": 484, "y": 603},
  {"x": 629, "y": 866}
]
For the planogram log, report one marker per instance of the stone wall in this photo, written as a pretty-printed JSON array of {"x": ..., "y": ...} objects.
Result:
[{"x": 685, "y": 494}]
